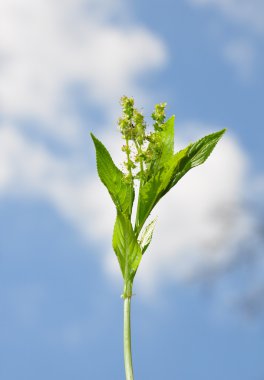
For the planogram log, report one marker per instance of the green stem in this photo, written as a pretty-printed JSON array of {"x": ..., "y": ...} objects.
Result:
[
  {"x": 127, "y": 340},
  {"x": 139, "y": 151},
  {"x": 128, "y": 159}
]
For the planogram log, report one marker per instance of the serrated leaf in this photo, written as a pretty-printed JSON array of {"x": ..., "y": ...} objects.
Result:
[
  {"x": 126, "y": 247},
  {"x": 173, "y": 170},
  {"x": 122, "y": 192},
  {"x": 146, "y": 236}
]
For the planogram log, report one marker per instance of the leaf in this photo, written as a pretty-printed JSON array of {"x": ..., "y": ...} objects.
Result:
[
  {"x": 146, "y": 236},
  {"x": 173, "y": 170},
  {"x": 126, "y": 247},
  {"x": 166, "y": 139},
  {"x": 122, "y": 192},
  {"x": 194, "y": 155}
]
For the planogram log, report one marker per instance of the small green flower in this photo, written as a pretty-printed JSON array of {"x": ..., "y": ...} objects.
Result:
[
  {"x": 159, "y": 116},
  {"x": 127, "y": 106}
]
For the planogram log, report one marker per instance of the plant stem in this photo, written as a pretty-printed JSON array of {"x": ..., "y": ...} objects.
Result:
[{"x": 127, "y": 340}]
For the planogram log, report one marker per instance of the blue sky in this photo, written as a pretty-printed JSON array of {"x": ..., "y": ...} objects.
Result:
[{"x": 198, "y": 309}]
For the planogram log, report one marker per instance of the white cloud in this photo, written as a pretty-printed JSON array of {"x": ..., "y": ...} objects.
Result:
[
  {"x": 249, "y": 13},
  {"x": 47, "y": 46},
  {"x": 30, "y": 170}
]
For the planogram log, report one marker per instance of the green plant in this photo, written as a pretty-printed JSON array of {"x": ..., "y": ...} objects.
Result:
[{"x": 152, "y": 168}]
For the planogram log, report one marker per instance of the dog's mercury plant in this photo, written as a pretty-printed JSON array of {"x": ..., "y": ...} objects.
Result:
[{"x": 152, "y": 168}]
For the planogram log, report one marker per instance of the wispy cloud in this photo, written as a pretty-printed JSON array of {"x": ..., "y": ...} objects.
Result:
[{"x": 248, "y": 13}]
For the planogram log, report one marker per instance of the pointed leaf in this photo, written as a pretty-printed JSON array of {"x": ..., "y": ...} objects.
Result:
[
  {"x": 126, "y": 247},
  {"x": 120, "y": 190},
  {"x": 194, "y": 155},
  {"x": 174, "y": 169}
]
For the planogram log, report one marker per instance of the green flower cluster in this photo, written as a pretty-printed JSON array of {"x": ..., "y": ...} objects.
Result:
[
  {"x": 142, "y": 149},
  {"x": 159, "y": 116}
]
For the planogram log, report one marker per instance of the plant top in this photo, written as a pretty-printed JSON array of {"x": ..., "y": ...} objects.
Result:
[{"x": 151, "y": 164}]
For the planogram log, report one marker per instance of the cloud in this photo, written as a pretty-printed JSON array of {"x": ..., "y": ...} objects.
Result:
[
  {"x": 240, "y": 47},
  {"x": 248, "y": 13},
  {"x": 48, "y": 51},
  {"x": 47, "y": 48},
  {"x": 31, "y": 170}
]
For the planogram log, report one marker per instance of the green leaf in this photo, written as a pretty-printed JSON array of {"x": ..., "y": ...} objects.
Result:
[
  {"x": 120, "y": 190},
  {"x": 148, "y": 194},
  {"x": 194, "y": 155},
  {"x": 173, "y": 170},
  {"x": 126, "y": 247},
  {"x": 166, "y": 140},
  {"x": 146, "y": 236}
]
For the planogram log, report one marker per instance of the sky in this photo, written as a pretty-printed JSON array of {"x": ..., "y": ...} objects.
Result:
[{"x": 198, "y": 307}]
